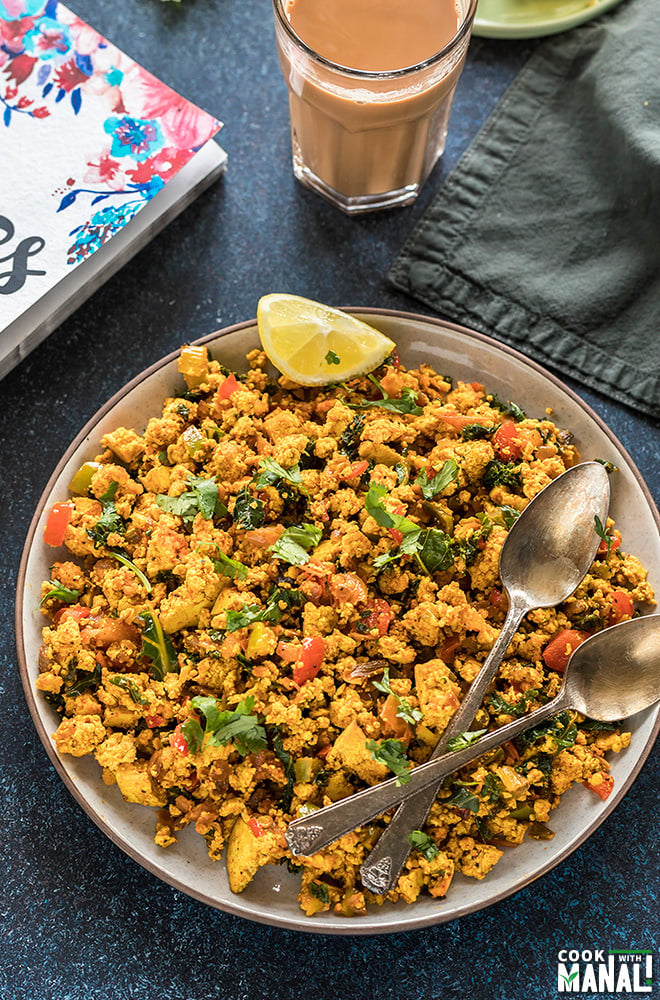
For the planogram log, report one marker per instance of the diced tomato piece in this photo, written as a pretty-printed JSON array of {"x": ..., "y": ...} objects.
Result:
[
  {"x": 253, "y": 823},
  {"x": 178, "y": 741},
  {"x": 622, "y": 607},
  {"x": 379, "y": 615},
  {"x": 228, "y": 387},
  {"x": 74, "y": 613},
  {"x": 154, "y": 721},
  {"x": 558, "y": 651},
  {"x": 57, "y": 523},
  {"x": 310, "y": 659},
  {"x": 396, "y": 535},
  {"x": 477, "y": 386},
  {"x": 448, "y": 651},
  {"x": 508, "y": 441},
  {"x": 600, "y": 783}
]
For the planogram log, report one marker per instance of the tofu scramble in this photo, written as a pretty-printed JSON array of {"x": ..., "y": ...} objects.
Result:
[{"x": 274, "y": 596}]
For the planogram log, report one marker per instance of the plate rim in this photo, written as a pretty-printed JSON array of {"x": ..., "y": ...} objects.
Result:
[
  {"x": 488, "y": 28},
  {"x": 301, "y": 923}
]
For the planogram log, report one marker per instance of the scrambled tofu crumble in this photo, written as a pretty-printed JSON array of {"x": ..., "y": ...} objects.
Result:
[{"x": 275, "y": 596}]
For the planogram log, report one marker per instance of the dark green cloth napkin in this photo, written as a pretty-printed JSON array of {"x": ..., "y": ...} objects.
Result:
[{"x": 547, "y": 233}]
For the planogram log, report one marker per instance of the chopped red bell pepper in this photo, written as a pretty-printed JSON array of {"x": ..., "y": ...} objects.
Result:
[
  {"x": 602, "y": 787},
  {"x": 57, "y": 523}
]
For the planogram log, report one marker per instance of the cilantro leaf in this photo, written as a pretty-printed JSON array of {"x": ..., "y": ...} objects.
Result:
[
  {"x": 272, "y": 472},
  {"x": 431, "y": 487},
  {"x": 421, "y": 842},
  {"x": 157, "y": 645},
  {"x": 202, "y": 498},
  {"x": 392, "y": 754},
  {"x": 239, "y": 726},
  {"x": 60, "y": 593},
  {"x": 332, "y": 359},
  {"x": 294, "y": 543},
  {"x": 406, "y": 403},
  {"x": 110, "y": 522},
  {"x": 464, "y": 740},
  {"x": 405, "y": 710},
  {"x": 270, "y": 612}
]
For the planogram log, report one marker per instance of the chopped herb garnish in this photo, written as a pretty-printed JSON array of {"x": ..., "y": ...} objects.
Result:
[
  {"x": 110, "y": 522},
  {"x": 157, "y": 646},
  {"x": 392, "y": 754},
  {"x": 125, "y": 561},
  {"x": 249, "y": 512},
  {"x": 202, "y": 498},
  {"x": 239, "y": 726},
  {"x": 133, "y": 690},
  {"x": 478, "y": 432},
  {"x": 272, "y": 473},
  {"x": 499, "y": 473},
  {"x": 463, "y": 798},
  {"x": 431, "y": 487},
  {"x": 350, "y": 439},
  {"x": 561, "y": 729},
  {"x": 405, "y": 710},
  {"x": 319, "y": 891},
  {"x": 604, "y": 535},
  {"x": 294, "y": 543},
  {"x": 405, "y": 403},
  {"x": 501, "y": 706},
  {"x": 421, "y": 842},
  {"x": 225, "y": 566},
  {"x": 66, "y": 595},
  {"x": 464, "y": 740},
  {"x": 332, "y": 359},
  {"x": 270, "y": 612},
  {"x": 509, "y": 408}
]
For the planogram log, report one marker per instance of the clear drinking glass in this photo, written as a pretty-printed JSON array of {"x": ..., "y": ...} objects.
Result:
[{"x": 368, "y": 140}]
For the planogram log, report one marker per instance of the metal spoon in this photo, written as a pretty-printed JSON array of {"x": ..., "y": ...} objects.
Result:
[
  {"x": 546, "y": 554},
  {"x": 610, "y": 676}
]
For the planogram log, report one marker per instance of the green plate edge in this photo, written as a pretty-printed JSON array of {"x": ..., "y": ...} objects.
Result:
[{"x": 499, "y": 19}]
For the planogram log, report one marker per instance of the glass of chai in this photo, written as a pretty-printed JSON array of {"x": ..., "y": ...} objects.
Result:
[{"x": 370, "y": 85}]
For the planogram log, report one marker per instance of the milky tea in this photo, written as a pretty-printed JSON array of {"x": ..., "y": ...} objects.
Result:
[{"x": 370, "y": 89}]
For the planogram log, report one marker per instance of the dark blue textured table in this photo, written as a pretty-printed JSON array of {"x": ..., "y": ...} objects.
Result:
[{"x": 78, "y": 918}]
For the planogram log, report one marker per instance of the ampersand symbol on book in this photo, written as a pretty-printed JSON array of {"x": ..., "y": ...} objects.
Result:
[{"x": 14, "y": 279}]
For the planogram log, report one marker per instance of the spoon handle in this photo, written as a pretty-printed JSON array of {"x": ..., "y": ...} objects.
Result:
[
  {"x": 312, "y": 833},
  {"x": 380, "y": 871}
]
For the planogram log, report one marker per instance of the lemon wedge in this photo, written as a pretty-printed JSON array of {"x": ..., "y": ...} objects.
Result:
[{"x": 313, "y": 344}]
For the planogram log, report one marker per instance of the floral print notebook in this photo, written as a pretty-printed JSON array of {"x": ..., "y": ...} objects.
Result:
[{"x": 87, "y": 139}]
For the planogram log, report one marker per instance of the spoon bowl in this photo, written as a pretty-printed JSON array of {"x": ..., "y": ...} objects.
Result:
[{"x": 612, "y": 675}]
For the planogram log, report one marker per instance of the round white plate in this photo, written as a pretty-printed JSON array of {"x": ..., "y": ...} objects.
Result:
[
  {"x": 271, "y": 898},
  {"x": 534, "y": 18}
]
